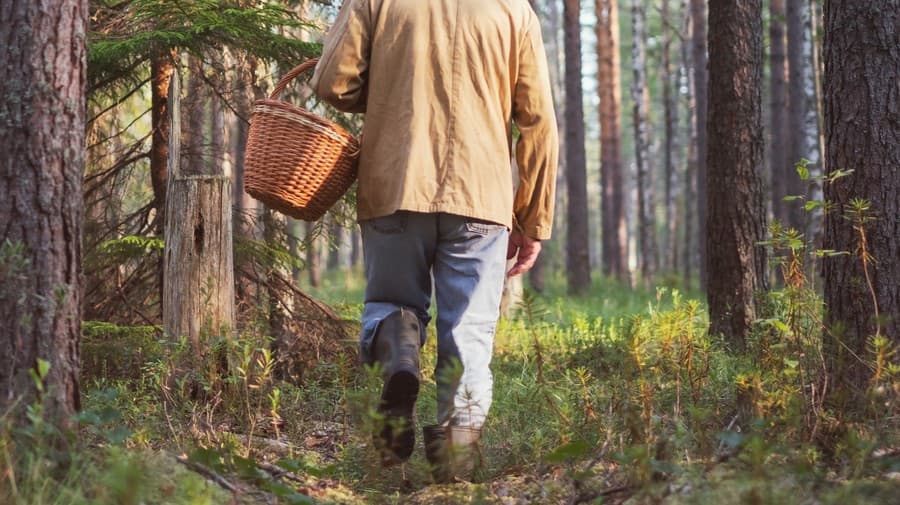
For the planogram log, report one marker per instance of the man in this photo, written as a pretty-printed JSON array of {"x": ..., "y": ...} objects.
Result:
[{"x": 441, "y": 83}]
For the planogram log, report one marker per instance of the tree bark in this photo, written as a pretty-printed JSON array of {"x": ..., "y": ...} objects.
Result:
[
  {"x": 736, "y": 265},
  {"x": 778, "y": 108},
  {"x": 280, "y": 306},
  {"x": 701, "y": 96},
  {"x": 689, "y": 251},
  {"x": 672, "y": 145},
  {"x": 161, "y": 68},
  {"x": 313, "y": 256},
  {"x": 42, "y": 131},
  {"x": 612, "y": 184},
  {"x": 796, "y": 28},
  {"x": 335, "y": 241},
  {"x": 198, "y": 301},
  {"x": 578, "y": 268},
  {"x": 639, "y": 93},
  {"x": 862, "y": 116}
]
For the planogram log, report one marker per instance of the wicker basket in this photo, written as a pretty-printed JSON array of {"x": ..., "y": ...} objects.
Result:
[{"x": 296, "y": 162}]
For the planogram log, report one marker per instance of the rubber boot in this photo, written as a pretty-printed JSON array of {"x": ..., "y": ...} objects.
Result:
[
  {"x": 452, "y": 452},
  {"x": 396, "y": 349}
]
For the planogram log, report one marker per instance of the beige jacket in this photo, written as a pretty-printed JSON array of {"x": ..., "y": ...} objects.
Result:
[{"x": 441, "y": 83}]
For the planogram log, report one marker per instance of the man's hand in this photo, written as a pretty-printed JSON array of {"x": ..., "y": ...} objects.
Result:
[{"x": 524, "y": 249}]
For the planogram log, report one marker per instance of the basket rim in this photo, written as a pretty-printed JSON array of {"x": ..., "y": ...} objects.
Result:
[{"x": 307, "y": 115}]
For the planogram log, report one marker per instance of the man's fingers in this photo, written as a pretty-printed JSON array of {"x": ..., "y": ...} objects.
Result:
[{"x": 526, "y": 258}]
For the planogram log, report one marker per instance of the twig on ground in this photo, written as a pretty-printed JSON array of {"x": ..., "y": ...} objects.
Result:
[
  {"x": 277, "y": 472},
  {"x": 209, "y": 474}
]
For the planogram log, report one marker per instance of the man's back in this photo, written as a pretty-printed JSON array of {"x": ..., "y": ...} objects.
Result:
[{"x": 439, "y": 81}]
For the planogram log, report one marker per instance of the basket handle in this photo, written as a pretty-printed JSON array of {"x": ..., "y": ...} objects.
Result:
[{"x": 299, "y": 69}]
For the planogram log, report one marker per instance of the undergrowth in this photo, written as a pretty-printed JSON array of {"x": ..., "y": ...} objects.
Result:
[{"x": 621, "y": 395}]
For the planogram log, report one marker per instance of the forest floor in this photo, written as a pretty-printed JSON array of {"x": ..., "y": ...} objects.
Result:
[{"x": 618, "y": 398}]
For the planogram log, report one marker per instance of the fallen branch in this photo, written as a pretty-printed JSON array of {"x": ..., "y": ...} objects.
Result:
[
  {"x": 277, "y": 473},
  {"x": 209, "y": 474},
  {"x": 268, "y": 443}
]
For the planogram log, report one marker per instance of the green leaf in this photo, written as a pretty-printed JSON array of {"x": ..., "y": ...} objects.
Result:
[
  {"x": 569, "y": 451},
  {"x": 732, "y": 439},
  {"x": 43, "y": 367},
  {"x": 813, "y": 204}
]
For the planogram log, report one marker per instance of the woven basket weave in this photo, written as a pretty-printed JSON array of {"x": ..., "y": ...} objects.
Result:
[{"x": 296, "y": 162}]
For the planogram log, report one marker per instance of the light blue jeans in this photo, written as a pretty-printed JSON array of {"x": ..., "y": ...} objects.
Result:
[{"x": 466, "y": 260}]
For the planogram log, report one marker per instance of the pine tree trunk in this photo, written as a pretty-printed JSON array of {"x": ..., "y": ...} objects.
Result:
[
  {"x": 862, "y": 116},
  {"x": 355, "y": 247},
  {"x": 42, "y": 131},
  {"x": 672, "y": 145},
  {"x": 313, "y": 258},
  {"x": 280, "y": 306},
  {"x": 646, "y": 235},
  {"x": 736, "y": 265},
  {"x": 778, "y": 110},
  {"x": 198, "y": 301},
  {"x": 161, "y": 68},
  {"x": 247, "y": 90},
  {"x": 335, "y": 239},
  {"x": 578, "y": 268},
  {"x": 689, "y": 250},
  {"x": 796, "y": 29},
  {"x": 537, "y": 275},
  {"x": 701, "y": 96},
  {"x": 611, "y": 171}
]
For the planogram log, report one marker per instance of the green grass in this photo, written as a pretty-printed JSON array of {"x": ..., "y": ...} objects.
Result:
[{"x": 617, "y": 395}]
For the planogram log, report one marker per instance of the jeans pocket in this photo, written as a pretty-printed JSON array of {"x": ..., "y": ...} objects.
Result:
[
  {"x": 480, "y": 227},
  {"x": 389, "y": 225}
]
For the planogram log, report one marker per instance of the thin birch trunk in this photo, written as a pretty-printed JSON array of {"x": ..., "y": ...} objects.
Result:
[
  {"x": 646, "y": 238},
  {"x": 701, "y": 97},
  {"x": 672, "y": 144},
  {"x": 778, "y": 109}
]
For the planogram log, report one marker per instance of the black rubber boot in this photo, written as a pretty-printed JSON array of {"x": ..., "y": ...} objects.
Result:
[
  {"x": 396, "y": 348},
  {"x": 435, "y": 437},
  {"x": 452, "y": 452}
]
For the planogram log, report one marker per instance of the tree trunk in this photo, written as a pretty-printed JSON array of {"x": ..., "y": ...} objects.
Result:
[
  {"x": 246, "y": 91},
  {"x": 42, "y": 131},
  {"x": 335, "y": 241},
  {"x": 778, "y": 111},
  {"x": 161, "y": 68},
  {"x": 313, "y": 258},
  {"x": 639, "y": 93},
  {"x": 280, "y": 306},
  {"x": 198, "y": 301},
  {"x": 538, "y": 274},
  {"x": 672, "y": 145},
  {"x": 736, "y": 265},
  {"x": 814, "y": 23},
  {"x": 701, "y": 96},
  {"x": 862, "y": 116},
  {"x": 796, "y": 29},
  {"x": 612, "y": 183},
  {"x": 355, "y": 247},
  {"x": 689, "y": 251},
  {"x": 578, "y": 268}
]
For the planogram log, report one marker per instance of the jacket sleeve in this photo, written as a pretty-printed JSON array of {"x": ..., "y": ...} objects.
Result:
[
  {"x": 537, "y": 150},
  {"x": 340, "y": 75}
]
